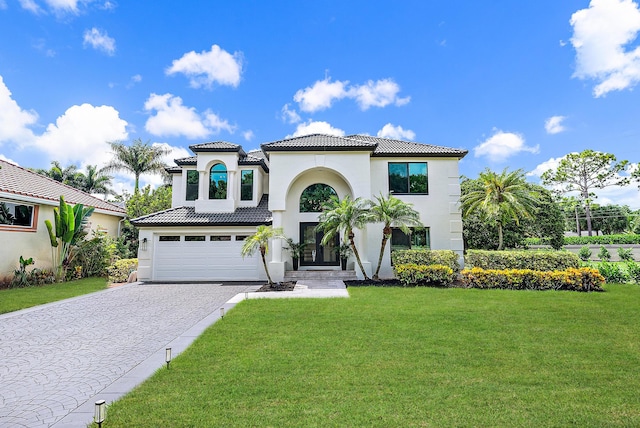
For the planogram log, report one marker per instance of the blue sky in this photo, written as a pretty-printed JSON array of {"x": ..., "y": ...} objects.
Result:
[{"x": 518, "y": 83}]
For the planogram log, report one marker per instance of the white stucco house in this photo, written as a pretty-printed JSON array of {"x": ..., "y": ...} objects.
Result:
[
  {"x": 222, "y": 193},
  {"x": 27, "y": 199}
]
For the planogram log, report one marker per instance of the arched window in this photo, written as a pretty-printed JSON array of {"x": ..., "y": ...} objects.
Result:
[
  {"x": 314, "y": 197},
  {"x": 218, "y": 181}
]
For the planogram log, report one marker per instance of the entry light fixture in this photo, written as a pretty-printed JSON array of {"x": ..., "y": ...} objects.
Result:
[
  {"x": 100, "y": 412},
  {"x": 143, "y": 246},
  {"x": 167, "y": 356}
]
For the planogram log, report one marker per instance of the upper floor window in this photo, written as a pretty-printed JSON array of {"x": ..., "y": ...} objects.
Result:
[
  {"x": 419, "y": 238},
  {"x": 193, "y": 181},
  {"x": 246, "y": 185},
  {"x": 408, "y": 177},
  {"x": 15, "y": 214},
  {"x": 315, "y": 196},
  {"x": 218, "y": 182}
]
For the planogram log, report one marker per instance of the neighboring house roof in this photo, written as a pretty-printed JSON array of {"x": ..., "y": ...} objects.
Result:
[
  {"x": 378, "y": 146},
  {"x": 22, "y": 184},
  {"x": 186, "y": 216}
]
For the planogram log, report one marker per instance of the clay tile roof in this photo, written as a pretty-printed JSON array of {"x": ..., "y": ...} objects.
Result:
[
  {"x": 390, "y": 147},
  {"x": 217, "y": 146},
  {"x": 18, "y": 181},
  {"x": 186, "y": 216},
  {"x": 317, "y": 142},
  {"x": 191, "y": 160},
  {"x": 252, "y": 158}
]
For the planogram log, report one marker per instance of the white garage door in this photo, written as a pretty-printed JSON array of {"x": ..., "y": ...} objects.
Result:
[{"x": 202, "y": 258}]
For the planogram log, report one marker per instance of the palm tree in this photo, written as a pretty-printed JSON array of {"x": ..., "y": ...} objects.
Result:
[
  {"x": 69, "y": 175},
  {"x": 393, "y": 212},
  {"x": 96, "y": 181},
  {"x": 344, "y": 215},
  {"x": 138, "y": 158},
  {"x": 260, "y": 241},
  {"x": 503, "y": 197}
]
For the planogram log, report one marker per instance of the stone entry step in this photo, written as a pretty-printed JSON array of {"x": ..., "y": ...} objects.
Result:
[{"x": 298, "y": 275}]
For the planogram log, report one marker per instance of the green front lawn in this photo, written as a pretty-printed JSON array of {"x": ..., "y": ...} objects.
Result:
[
  {"x": 21, "y": 298},
  {"x": 391, "y": 357}
]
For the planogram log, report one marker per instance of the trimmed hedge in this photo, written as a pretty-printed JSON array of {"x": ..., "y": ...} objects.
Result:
[
  {"x": 590, "y": 240},
  {"x": 583, "y": 279},
  {"x": 412, "y": 274},
  {"x": 120, "y": 270},
  {"x": 426, "y": 257},
  {"x": 536, "y": 260}
]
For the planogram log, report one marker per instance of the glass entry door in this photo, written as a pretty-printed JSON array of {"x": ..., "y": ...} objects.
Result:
[{"x": 316, "y": 254}]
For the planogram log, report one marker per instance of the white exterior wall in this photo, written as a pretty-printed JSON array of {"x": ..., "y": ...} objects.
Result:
[
  {"x": 205, "y": 162},
  {"x": 178, "y": 189}
]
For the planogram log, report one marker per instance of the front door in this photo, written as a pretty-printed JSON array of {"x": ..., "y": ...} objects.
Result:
[{"x": 316, "y": 254}]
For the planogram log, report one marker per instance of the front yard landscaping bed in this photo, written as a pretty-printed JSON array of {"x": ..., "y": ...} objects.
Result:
[{"x": 406, "y": 357}]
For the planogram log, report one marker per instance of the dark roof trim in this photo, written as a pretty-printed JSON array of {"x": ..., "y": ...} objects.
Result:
[{"x": 161, "y": 224}]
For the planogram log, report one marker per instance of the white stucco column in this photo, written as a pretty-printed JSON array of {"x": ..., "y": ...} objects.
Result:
[
  {"x": 202, "y": 185},
  {"x": 231, "y": 186},
  {"x": 361, "y": 243},
  {"x": 276, "y": 265}
]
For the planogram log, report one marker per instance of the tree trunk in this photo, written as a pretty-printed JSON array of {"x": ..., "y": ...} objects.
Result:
[
  {"x": 385, "y": 238},
  {"x": 587, "y": 212},
  {"x": 266, "y": 269},
  {"x": 355, "y": 253},
  {"x": 500, "y": 238}
]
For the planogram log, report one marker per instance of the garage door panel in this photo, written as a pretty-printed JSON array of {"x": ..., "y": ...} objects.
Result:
[{"x": 207, "y": 261}]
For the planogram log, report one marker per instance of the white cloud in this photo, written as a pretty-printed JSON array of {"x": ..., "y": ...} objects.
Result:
[
  {"x": 289, "y": 115},
  {"x": 396, "y": 132},
  {"x": 322, "y": 94},
  {"x": 209, "y": 67},
  {"x": 4, "y": 158},
  {"x": 601, "y": 34},
  {"x": 502, "y": 145},
  {"x": 217, "y": 124},
  {"x": 99, "y": 40},
  {"x": 14, "y": 121},
  {"x": 553, "y": 125},
  {"x": 31, "y": 6},
  {"x": 545, "y": 166},
  {"x": 380, "y": 93},
  {"x": 248, "y": 135},
  {"x": 318, "y": 127},
  {"x": 63, "y": 6},
  {"x": 3, "y": 4},
  {"x": 81, "y": 134},
  {"x": 172, "y": 118}
]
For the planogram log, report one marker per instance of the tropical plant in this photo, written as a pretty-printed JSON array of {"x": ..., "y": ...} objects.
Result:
[
  {"x": 67, "y": 175},
  {"x": 344, "y": 216},
  {"x": 502, "y": 197},
  {"x": 604, "y": 254},
  {"x": 20, "y": 275},
  {"x": 295, "y": 248},
  {"x": 585, "y": 253},
  {"x": 69, "y": 229},
  {"x": 138, "y": 158},
  {"x": 5, "y": 215},
  {"x": 583, "y": 172},
  {"x": 625, "y": 254},
  {"x": 259, "y": 241},
  {"x": 95, "y": 181},
  {"x": 344, "y": 250},
  {"x": 392, "y": 212}
]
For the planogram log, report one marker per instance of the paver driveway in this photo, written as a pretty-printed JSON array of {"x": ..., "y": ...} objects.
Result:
[{"x": 55, "y": 357}]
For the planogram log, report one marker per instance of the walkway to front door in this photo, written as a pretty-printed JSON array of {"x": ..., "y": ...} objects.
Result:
[{"x": 316, "y": 254}]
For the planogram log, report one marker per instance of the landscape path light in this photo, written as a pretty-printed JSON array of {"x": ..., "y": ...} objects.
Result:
[
  {"x": 167, "y": 356},
  {"x": 100, "y": 412},
  {"x": 221, "y": 312}
]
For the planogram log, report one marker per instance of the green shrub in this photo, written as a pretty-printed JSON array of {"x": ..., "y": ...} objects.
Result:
[
  {"x": 625, "y": 254},
  {"x": 604, "y": 254},
  {"x": 120, "y": 270},
  {"x": 536, "y": 260},
  {"x": 585, "y": 253},
  {"x": 426, "y": 257},
  {"x": 582, "y": 279},
  {"x": 613, "y": 272},
  {"x": 413, "y": 275},
  {"x": 633, "y": 269},
  {"x": 602, "y": 240}
]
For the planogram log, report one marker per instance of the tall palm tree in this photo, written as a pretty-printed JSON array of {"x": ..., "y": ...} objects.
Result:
[
  {"x": 344, "y": 216},
  {"x": 503, "y": 197},
  {"x": 138, "y": 158},
  {"x": 393, "y": 212},
  {"x": 69, "y": 175},
  {"x": 259, "y": 241},
  {"x": 96, "y": 181}
]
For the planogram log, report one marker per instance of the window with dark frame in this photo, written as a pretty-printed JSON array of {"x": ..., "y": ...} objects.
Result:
[
  {"x": 408, "y": 178},
  {"x": 419, "y": 238},
  {"x": 15, "y": 214},
  {"x": 169, "y": 238},
  {"x": 194, "y": 238},
  {"x": 218, "y": 181},
  {"x": 246, "y": 185},
  {"x": 193, "y": 181},
  {"x": 219, "y": 238}
]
